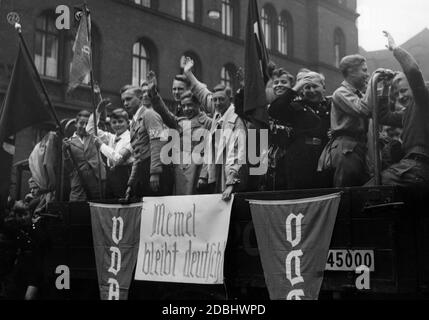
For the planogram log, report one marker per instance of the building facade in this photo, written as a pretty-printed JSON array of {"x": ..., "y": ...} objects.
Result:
[{"x": 131, "y": 37}]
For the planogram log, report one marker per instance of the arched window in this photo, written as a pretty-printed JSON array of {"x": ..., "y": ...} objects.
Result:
[
  {"x": 339, "y": 46},
  {"x": 197, "y": 70},
  {"x": 228, "y": 76},
  {"x": 46, "y": 46},
  {"x": 284, "y": 33},
  {"x": 269, "y": 22},
  {"x": 188, "y": 10},
  {"x": 141, "y": 63}
]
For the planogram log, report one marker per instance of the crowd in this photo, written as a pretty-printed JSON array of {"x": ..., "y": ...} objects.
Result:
[{"x": 315, "y": 141}]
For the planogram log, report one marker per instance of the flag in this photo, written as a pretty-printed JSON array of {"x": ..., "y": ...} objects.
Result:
[
  {"x": 293, "y": 239},
  {"x": 256, "y": 68},
  {"x": 116, "y": 235},
  {"x": 23, "y": 106},
  {"x": 7, "y": 151},
  {"x": 81, "y": 63}
]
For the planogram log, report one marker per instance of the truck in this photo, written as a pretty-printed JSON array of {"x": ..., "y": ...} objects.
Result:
[{"x": 385, "y": 228}]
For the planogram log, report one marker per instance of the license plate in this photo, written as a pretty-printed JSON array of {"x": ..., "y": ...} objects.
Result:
[{"x": 350, "y": 260}]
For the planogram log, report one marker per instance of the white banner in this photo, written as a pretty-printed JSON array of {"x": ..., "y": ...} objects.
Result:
[{"x": 183, "y": 239}]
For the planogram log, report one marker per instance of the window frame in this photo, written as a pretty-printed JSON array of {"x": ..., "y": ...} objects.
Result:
[
  {"x": 285, "y": 21},
  {"x": 339, "y": 46},
  {"x": 45, "y": 32}
]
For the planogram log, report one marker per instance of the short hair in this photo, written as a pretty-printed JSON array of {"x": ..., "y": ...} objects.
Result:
[
  {"x": 83, "y": 114},
  {"x": 351, "y": 62},
  {"x": 188, "y": 95},
  {"x": 125, "y": 88},
  {"x": 119, "y": 113},
  {"x": 312, "y": 76},
  {"x": 135, "y": 90},
  {"x": 221, "y": 87},
  {"x": 182, "y": 78},
  {"x": 280, "y": 72}
]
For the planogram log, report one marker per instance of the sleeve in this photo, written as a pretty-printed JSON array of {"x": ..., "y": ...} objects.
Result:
[
  {"x": 280, "y": 107},
  {"x": 116, "y": 157},
  {"x": 351, "y": 104},
  {"x": 414, "y": 76},
  {"x": 134, "y": 173},
  {"x": 155, "y": 129},
  {"x": 103, "y": 135},
  {"x": 236, "y": 160},
  {"x": 204, "y": 96},
  {"x": 159, "y": 106}
]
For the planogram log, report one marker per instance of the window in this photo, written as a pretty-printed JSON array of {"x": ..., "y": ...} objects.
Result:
[
  {"x": 141, "y": 63},
  {"x": 228, "y": 76},
  {"x": 227, "y": 18},
  {"x": 339, "y": 46},
  {"x": 144, "y": 3},
  {"x": 46, "y": 46},
  {"x": 188, "y": 10},
  {"x": 284, "y": 33},
  {"x": 268, "y": 20}
]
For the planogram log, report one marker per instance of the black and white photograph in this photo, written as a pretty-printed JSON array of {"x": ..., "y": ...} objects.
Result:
[{"x": 214, "y": 156}]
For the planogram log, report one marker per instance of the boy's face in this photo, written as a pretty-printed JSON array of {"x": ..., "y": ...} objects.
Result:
[
  {"x": 280, "y": 84},
  {"x": 119, "y": 125},
  {"x": 178, "y": 89},
  {"x": 131, "y": 102},
  {"x": 403, "y": 94},
  {"x": 359, "y": 76},
  {"x": 81, "y": 126},
  {"x": 190, "y": 109}
]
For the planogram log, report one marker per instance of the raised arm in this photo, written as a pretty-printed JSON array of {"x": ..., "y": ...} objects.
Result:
[
  {"x": 198, "y": 88},
  {"x": 411, "y": 70},
  {"x": 103, "y": 135}
]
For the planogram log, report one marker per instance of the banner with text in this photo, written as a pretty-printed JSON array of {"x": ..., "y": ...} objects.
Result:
[
  {"x": 293, "y": 239},
  {"x": 183, "y": 239},
  {"x": 115, "y": 231}
]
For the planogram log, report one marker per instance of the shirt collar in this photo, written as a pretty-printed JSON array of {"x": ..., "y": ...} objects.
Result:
[{"x": 139, "y": 112}]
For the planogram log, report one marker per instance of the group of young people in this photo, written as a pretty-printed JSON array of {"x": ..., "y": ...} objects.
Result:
[{"x": 315, "y": 141}]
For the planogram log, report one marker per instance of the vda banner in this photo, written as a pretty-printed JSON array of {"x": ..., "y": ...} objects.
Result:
[
  {"x": 293, "y": 239},
  {"x": 183, "y": 239},
  {"x": 115, "y": 231}
]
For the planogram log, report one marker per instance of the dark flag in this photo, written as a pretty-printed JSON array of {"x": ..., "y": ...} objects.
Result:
[
  {"x": 293, "y": 240},
  {"x": 22, "y": 107},
  {"x": 81, "y": 63},
  {"x": 256, "y": 71},
  {"x": 7, "y": 150}
]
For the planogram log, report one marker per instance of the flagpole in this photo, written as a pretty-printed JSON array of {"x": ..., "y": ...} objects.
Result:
[
  {"x": 45, "y": 93},
  {"x": 51, "y": 108},
  {"x": 94, "y": 103}
]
